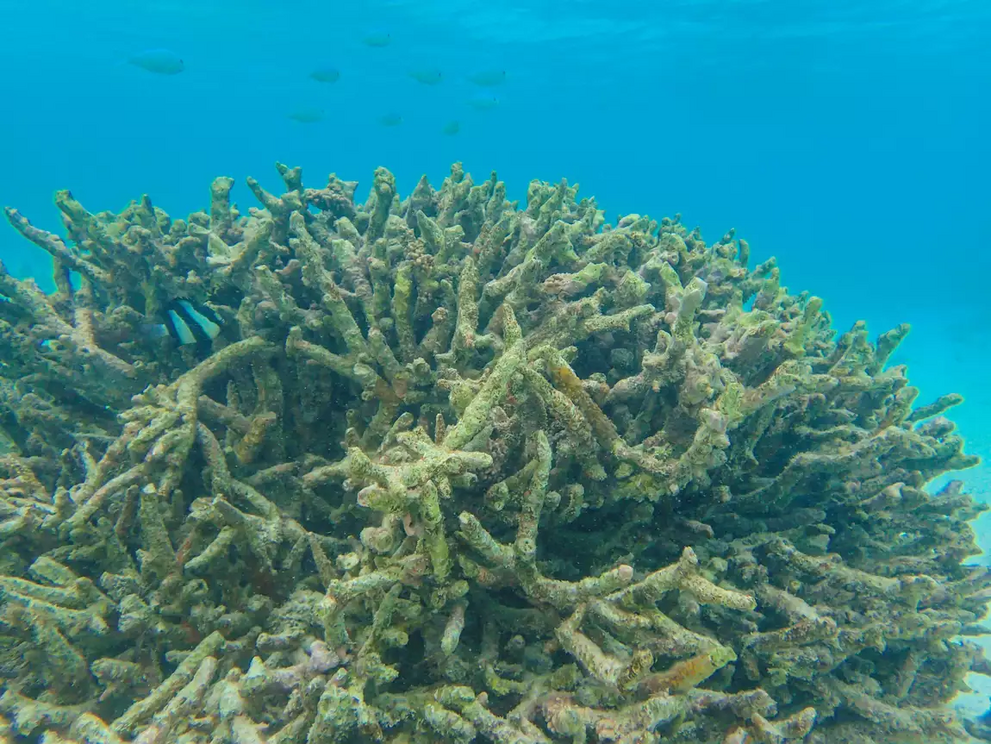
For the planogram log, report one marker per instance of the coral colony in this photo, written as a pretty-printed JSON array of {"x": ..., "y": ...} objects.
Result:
[{"x": 448, "y": 469}]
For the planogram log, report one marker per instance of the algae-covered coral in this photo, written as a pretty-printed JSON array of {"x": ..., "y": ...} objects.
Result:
[{"x": 457, "y": 469}]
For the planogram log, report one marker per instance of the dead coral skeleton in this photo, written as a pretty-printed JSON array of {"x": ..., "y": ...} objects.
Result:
[{"x": 458, "y": 469}]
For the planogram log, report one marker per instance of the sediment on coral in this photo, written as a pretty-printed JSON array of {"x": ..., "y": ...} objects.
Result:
[{"x": 461, "y": 469}]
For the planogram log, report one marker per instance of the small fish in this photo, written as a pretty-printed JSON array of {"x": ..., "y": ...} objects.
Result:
[
  {"x": 306, "y": 115},
  {"x": 391, "y": 120},
  {"x": 326, "y": 75},
  {"x": 488, "y": 78},
  {"x": 159, "y": 61},
  {"x": 187, "y": 323},
  {"x": 377, "y": 40},
  {"x": 451, "y": 128},
  {"x": 427, "y": 76},
  {"x": 483, "y": 103}
]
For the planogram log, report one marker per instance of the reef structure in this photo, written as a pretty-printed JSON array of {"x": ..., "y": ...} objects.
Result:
[{"x": 458, "y": 469}]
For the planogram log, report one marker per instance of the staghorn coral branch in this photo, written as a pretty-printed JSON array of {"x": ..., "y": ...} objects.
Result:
[{"x": 460, "y": 469}]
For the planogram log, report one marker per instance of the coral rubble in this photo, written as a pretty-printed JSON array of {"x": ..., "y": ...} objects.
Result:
[{"x": 457, "y": 469}]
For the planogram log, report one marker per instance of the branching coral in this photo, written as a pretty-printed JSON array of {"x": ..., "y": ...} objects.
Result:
[{"x": 461, "y": 470}]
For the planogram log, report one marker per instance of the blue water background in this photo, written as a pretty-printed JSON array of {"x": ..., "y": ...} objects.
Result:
[{"x": 851, "y": 139}]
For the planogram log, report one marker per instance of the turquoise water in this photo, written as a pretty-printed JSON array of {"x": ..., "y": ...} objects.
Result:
[
  {"x": 847, "y": 138},
  {"x": 848, "y": 141},
  {"x": 843, "y": 137}
]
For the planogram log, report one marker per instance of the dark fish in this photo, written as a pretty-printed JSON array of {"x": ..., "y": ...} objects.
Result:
[
  {"x": 159, "y": 61},
  {"x": 326, "y": 75},
  {"x": 187, "y": 323},
  {"x": 451, "y": 128},
  {"x": 391, "y": 120}
]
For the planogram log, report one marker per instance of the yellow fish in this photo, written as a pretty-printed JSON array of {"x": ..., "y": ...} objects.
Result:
[
  {"x": 488, "y": 78},
  {"x": 428, "y": 76}
]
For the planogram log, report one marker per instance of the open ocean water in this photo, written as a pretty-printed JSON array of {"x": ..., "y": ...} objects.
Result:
[{"x": 850, "y": 139}]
